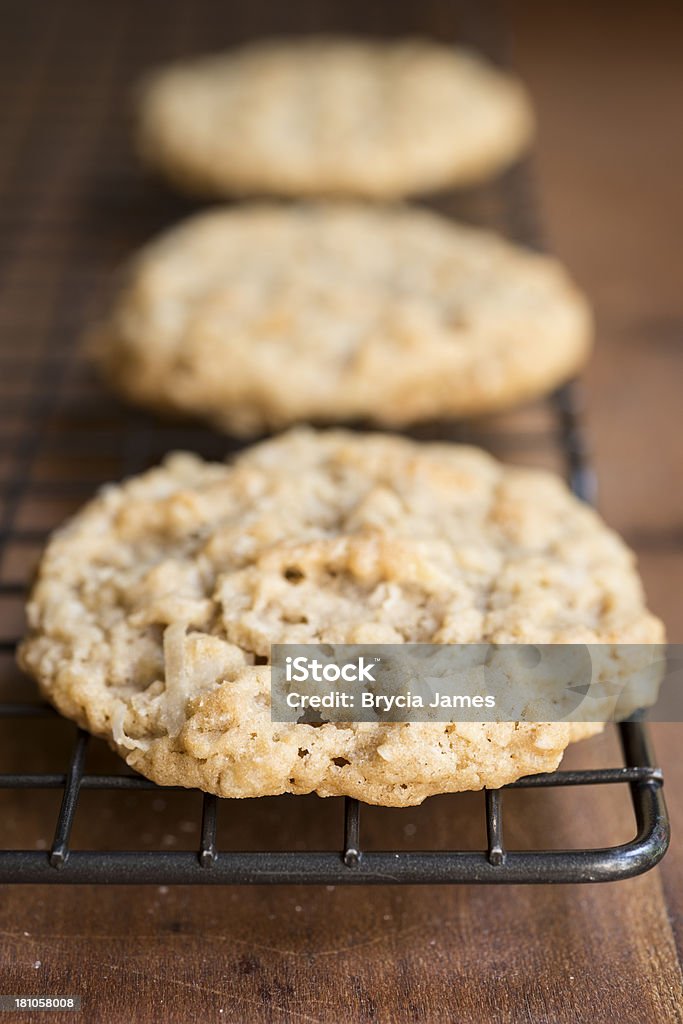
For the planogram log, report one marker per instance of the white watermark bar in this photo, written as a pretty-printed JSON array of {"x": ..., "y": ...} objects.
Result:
[{"x": 483, "y": 682}]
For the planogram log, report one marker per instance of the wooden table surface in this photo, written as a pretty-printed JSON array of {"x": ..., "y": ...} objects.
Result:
[{"x": 607, "y": 81}]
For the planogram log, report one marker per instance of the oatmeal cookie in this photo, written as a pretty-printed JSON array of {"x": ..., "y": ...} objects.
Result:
[
  {"x": 331, "y": 116},
  {"x": 262, "y": 316},
  {"x": 153, "y": 615}
]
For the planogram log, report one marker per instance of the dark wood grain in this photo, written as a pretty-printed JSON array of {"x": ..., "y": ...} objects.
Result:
[{"x": 610, "y": 164}]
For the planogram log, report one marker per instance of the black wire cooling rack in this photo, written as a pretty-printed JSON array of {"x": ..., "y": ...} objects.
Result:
[{"x": 64, "y": 197}]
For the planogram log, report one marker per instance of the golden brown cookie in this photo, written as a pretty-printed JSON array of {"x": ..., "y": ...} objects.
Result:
[
  {"x": 261, "y": 316},
  {"x": 332, "y": 116},
  {"x": 152, "y": 619}
]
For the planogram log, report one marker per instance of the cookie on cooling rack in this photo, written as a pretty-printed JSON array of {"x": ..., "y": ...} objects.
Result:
[
  {"x": 261, "y": 316},
  {"x": 332, "y": 116},
  {"x": 152, "y": 619}
]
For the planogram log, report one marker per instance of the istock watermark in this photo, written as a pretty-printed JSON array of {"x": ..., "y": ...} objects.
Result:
[
  {"x": 485, "y": 682},
  {"x": 304, "y": 670}
]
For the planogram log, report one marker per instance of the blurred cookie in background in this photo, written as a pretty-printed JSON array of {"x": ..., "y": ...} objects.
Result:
[
  {"x": 324, "y": 116},
  {"x": 260, "y": 316}
]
